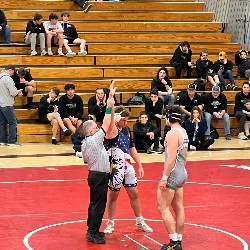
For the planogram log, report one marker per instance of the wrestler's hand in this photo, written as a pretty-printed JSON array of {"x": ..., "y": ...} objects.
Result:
[
  {"x": 141, "y": 172},
  {"x": 112, "y": 89},
  {"x": 162, "y": 185}
]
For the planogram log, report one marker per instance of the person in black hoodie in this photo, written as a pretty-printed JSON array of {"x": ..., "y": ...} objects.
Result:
[
  {"x": 243, "y": 63},
  {"x": 35, "y": 34},
  {"x": 48, "y": 113},
  {"x": 164, "y": 86},
  {"x": 145, "y": 134},
  {"x": 182, "y": 59},
  {"x": 224, "y": 68},
  {"x": 215, "y": 107},
  {"x": 4, "y": 28},
  {"x": 240, "y": 113},
  {"x": 196, "y": 127},
  {"x": 71, "y": 108},
  {"x": 71, "y": 36}
]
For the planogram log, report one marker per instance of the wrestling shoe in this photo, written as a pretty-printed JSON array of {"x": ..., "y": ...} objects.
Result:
[
  {"x": 110, "y": 228},
  {"x": 172, "y": 245},
  {"x": 144, "y": 226}
]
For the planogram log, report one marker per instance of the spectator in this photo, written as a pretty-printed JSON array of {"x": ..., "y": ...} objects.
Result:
[
  {"x": 145, "y": 134},
  {"x": 224, "y": 68},
  {"x": 204, "y": 69},
  {"x": 71, "y": 36},
  {"x": 71, "y": 108},
  {"x": 54, "y": 31},
  {"x": 48, "y": 113},
  {"x": 153, "y": 107},
  {"x": 84, "y": 4},
  {"x": 164, "y": 86},
  {"x": 239, "y": 108},
  {"x": 190, "y": 99},
  {"x": 215, "y": 107},
  {"x": 8, "y": 91},
  {"x": 35, "y": 34},
  {"x": 24, "y": 80},
  {"x": 243, "y": 63},
  {"x": 247, "y": 123},
  {"x": 182, "y": 59},
  {"x": 196, "y": 127},
  {"x": 4, "y": 28}
]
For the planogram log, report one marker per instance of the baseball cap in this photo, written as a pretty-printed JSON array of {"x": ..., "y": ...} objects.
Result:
[
  {"x": 10, "y": 66},
  {"x": 191, "y": 86},
  {"x": 216, "y": 89},
  {"x": 222, "y": 55}
]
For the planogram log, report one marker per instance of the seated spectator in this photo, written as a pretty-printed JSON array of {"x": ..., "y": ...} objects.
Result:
[
  {"x": 164, "y": 86},
  {"x": 215, "y": 107},
  {"x": 71, "y": 108},
  {"x": 145, "y": 134},
  {"x": 35, "y": 34},
  {"x": 196, "y": 126},
  {"x": 182, "y": 59},
  {"x": 247, "y": 123},
  {"x": 48, "y": 113},
  {"x": 84, "y": 4},
  {"x": 243, "y": 63},
  {"x": 189, "y": 100},
  {"x": 77, "y": 139},
  {"x": 153, "y": 107},
  {"x": 71, "y": 36},
  {"x": 204, "y": 69},
  {"x": 54, "y": 33},
  {"x": 239, "y": 108},
  {"x": 224, "y": 68},
  {"x": 4, "y": 28},
  {"x": 24, "y": 80}
]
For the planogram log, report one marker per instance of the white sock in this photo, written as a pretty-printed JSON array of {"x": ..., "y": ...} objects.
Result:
[
  {"x": 60, "y": 50},
  {"x": 69, "y": 51},
  {"x": 53, "y": 137},
  {"x": 179, "y": 237},
  {"x": 139, "y": 219},
  {"x": 49, "y": 50},
  {"x": 111, "y": 222},
  {"x": 65, "y": 129},
  {"x": 173, "y": 236}
]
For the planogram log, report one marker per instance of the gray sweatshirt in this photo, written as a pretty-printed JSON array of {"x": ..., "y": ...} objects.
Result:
[{"x": 8, "y": 91}]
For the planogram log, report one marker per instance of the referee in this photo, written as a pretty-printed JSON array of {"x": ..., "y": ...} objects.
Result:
[{"x": 95, "y": 155}]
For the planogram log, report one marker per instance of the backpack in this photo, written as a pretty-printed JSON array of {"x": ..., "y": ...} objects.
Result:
[
  {"x": 200, "y": 85},
  {"x": 214, "y": 133},
  {"x": 137, "y": 99}
]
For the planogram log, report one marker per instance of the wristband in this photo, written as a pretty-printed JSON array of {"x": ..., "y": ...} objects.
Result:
[
  {"x": 108, "y": 110},
  {"x": 164, "y": 177}
]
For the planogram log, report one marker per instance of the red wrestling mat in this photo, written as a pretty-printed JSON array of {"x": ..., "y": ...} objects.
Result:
[{"x": 46, "y": 208}]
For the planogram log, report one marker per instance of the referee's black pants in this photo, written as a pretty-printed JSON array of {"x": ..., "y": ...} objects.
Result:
[{"x": 98, "y": 184}]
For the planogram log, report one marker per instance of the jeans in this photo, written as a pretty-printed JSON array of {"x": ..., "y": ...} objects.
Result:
[
  {"x": 228, "y": 74},
  {"x": 6, "y": 34},
  {"x": 167, "y": 99},
  {"x": 7, "y": 116},
  {"x": 33, "y": 39},
  {"x": 242, "y": 120},
  {"x": 225, "y": 119}
]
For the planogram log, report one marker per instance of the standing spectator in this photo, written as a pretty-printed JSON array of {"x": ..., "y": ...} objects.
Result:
[
  {"x": 35, "y": 34},
  {"x": 54, "y": 31},
  {"x": 48, "y": 113},
  {"x": 145, "y": 134},
  {"x": 84, "y": 4},
  {"x": 243, "y": 63},
  {"x": 196, "y": 127},
  {"x": 239, "y": 108},
  {"x": 24, "y": 80},
  {"x": 70, "y": 36},
  {"x": 190, "y": 99},
  {"x": 8, "y": 91},
  {"x": 164, "y": 86},
  {"x": 224, "y": 68},
  {"x": 4, "y": 28},
  {"x": 153, "y": 107},
  {"x": 204, "y": 69},
  {"x": 71, "y": 108},
  {"x": 247, "y": 123},
  {"x": 182, "y": 59},
  {"x": 215, "y": 107}
]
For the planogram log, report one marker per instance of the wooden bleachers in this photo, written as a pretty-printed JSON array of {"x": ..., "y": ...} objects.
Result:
[{"x": 127, "y": 41}]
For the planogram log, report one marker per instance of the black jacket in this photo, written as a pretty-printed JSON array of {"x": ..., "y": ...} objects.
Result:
[
  {"x": 157, "y": 84},
  {"x": 69, "y": 31},
  {"x": 34, "y": 28},
  {"x": 243, "y": 64},
  {"x": 212, "y": 104},
  {"x": 94, "y": 109},
  {"x": 239, "y": 100},
  {"x": 181, "y": 57},
  {"x": 202, "y": 67},
  {"x": 153, "y": 110},
  {"x": 44, "y": 106},
  {"x": 3, "y": 20},
  {"x": 228, "y": 66},
  {"x": 142, "y": 129}
]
